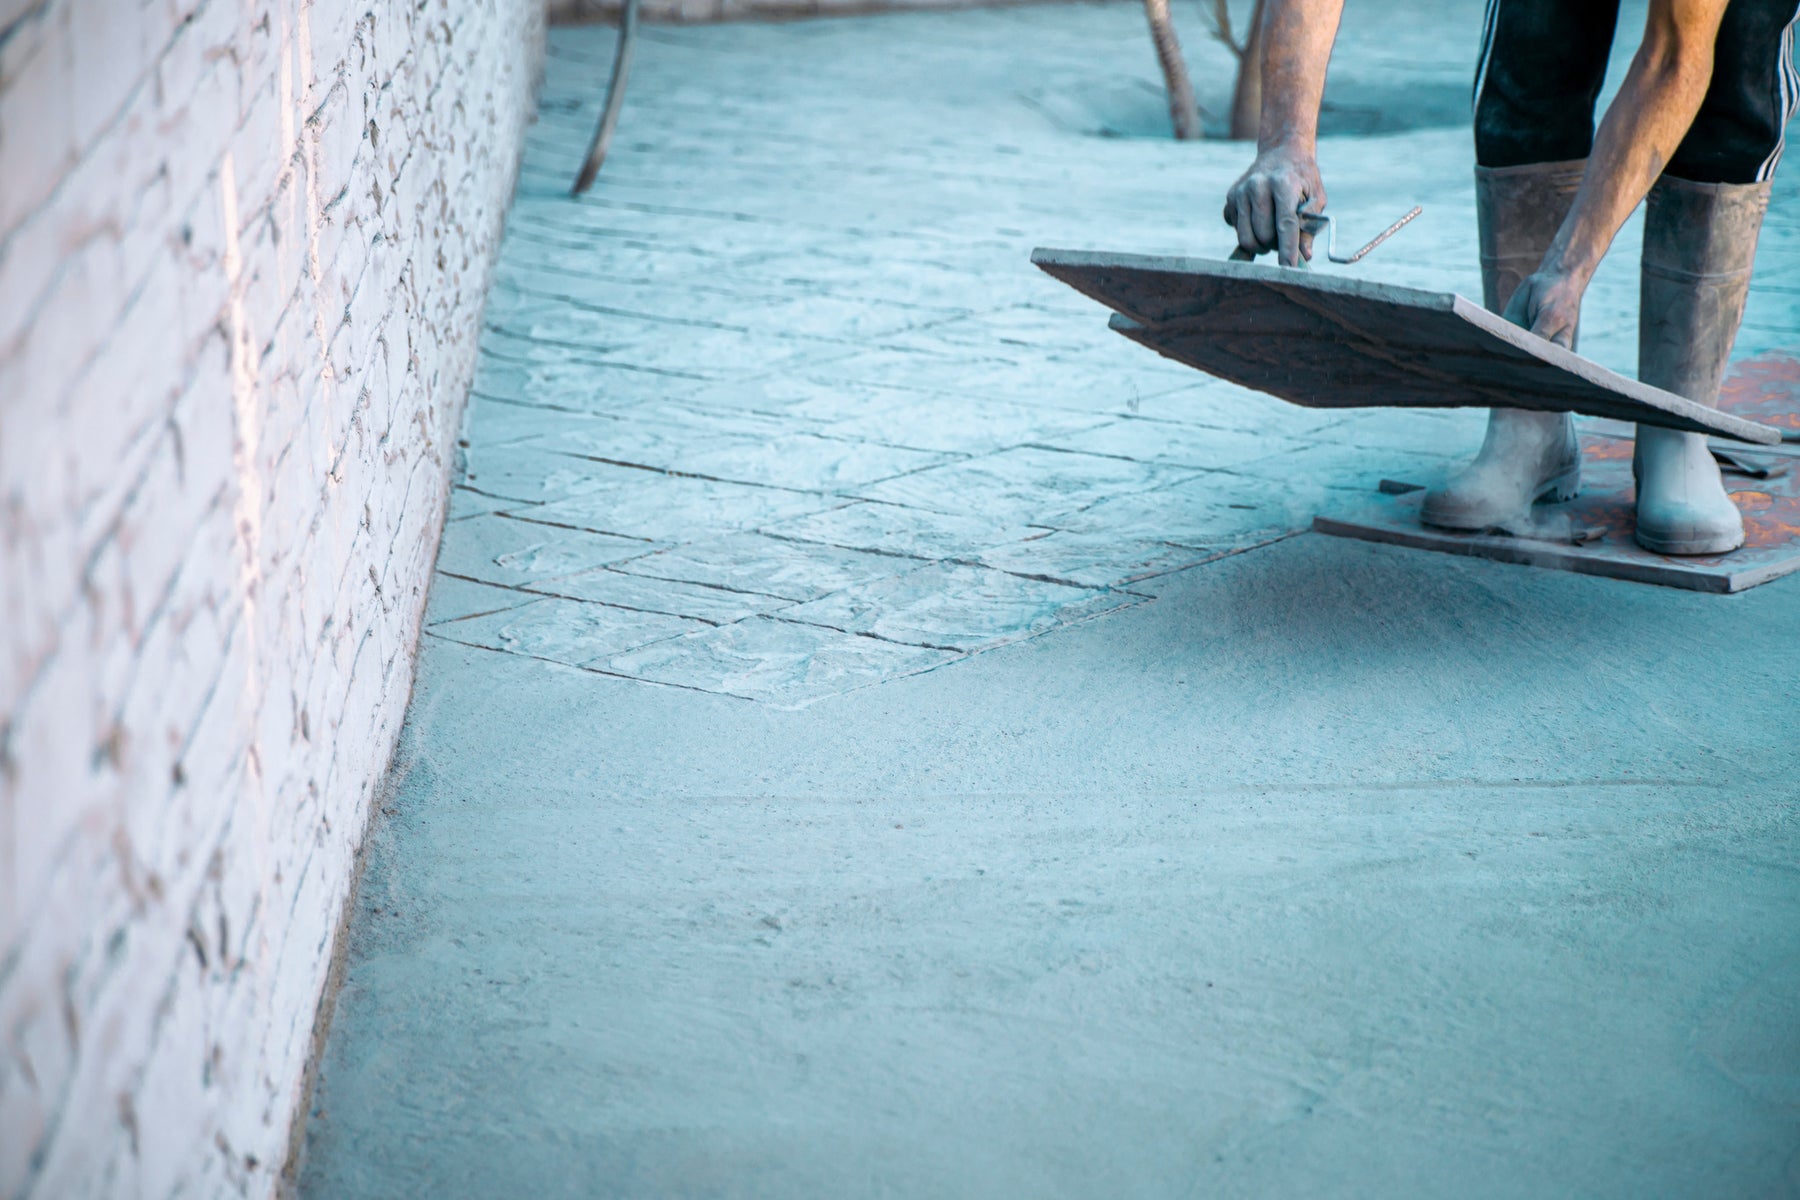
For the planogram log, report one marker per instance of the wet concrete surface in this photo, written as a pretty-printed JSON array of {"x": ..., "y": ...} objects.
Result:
[{"x": 879, "y": 733}]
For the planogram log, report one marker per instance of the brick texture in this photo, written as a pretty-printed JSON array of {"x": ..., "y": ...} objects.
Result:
[{"x": 243, "y": 250}]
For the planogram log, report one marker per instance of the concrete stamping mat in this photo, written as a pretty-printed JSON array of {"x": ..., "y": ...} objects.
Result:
[
  {"x": 1766, "y": 388},
  {"x": 1328, "y": 341}
]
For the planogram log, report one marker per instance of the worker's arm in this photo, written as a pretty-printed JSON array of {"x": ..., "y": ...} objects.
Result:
[
  {"x": 1641, "y": 129},
  {"x": 1263, "y": 203}
]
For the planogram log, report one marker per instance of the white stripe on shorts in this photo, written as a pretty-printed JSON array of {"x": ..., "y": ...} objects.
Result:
[
  {"x": 1789, "y": 80},
  {"x": 1487, "y": 51}
]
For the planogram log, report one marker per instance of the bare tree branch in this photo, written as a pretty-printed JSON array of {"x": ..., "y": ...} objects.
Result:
[
  {"x": 1221, "y": 28},
  {"x": 1246, "y": 96},
  {"x": 1184, "y": 110},
  {"x": 615, "y": 98}
]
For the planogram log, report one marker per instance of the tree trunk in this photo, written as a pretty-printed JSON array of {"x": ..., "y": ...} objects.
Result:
[
  {"x": 1184, "y": 110},
  {"x": 1246, "y": 97}
]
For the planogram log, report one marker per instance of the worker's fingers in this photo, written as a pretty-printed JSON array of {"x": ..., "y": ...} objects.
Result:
[
  {"x": 1287, "y": 200},
  {"x": 1548, "y": 306},
  {"x": 1262, "y": 216},
  {"x": 1246, "y": 230},
  {"x": 1556, "y": 326},
  {"x": 1235, "y": 205},
  {"x": 1306, "y": 245},
  {"x": 1519, "y": 309}
]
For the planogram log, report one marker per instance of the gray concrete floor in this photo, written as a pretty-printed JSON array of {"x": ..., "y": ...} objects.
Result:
[{"x": 879, "y": 734}]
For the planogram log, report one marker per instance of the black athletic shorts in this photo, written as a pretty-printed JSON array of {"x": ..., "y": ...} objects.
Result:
[{"x": 1542, "y": 63}]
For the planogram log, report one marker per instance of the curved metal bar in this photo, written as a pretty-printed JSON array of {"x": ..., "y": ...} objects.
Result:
[
  {"x": 615, "y": 99},
  {"x": 1314, "y": 221}
]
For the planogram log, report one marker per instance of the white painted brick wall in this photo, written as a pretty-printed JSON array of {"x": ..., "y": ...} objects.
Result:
[
  {"x": 704, "y": 11},
  {"x": 243, "y": 249}
]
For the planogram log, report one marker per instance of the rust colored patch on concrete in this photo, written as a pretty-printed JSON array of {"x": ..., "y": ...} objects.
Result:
[{"x": 1766, "y": 389}]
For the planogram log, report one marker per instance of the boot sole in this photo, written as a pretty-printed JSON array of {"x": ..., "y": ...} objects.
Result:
[
  {"x": 1688, "y": 547},
  {"x": 1558, "y": 489}
]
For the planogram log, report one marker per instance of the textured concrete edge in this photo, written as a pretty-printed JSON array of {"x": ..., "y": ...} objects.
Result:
[
  {"x": 1094, "y": 273},
  {"x": 287, "y": 1180},
  {"x": 293, "y": 1164},
  {"x": 1695, "y": 417},
  {"x": 672, "y": 12}
]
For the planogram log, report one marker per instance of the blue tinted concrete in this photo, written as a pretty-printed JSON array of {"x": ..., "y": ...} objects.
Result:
[
  {"x": 1151, "y": 845},
  {"x": 1337, "y": 870}
]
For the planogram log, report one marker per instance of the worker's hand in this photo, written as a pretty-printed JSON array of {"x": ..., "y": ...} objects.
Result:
[
  {"x": 1264, "y": 204},
  {"x": 1549, "y": 304}
]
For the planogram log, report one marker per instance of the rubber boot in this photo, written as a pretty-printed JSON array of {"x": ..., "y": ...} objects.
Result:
[
  {"x": 1526, "y": 456},
  {"x": 1699, "y": 248}
]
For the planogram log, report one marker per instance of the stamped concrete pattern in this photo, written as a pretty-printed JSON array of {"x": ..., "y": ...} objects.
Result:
[
  {"x": 880, "y": 733},
  {"x": 869, "y": 416}
]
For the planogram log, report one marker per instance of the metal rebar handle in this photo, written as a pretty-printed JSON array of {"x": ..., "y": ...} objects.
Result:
[{"x": 1313, "y": 222}]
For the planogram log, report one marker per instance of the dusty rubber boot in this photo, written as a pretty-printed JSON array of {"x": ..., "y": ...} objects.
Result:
[
  {"x": 1699, "y": 249},
  {"x": 1526, "y": 456}
]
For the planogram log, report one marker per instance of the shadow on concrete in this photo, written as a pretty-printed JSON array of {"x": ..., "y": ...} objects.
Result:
[{"x": 1386, "y": 618}]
